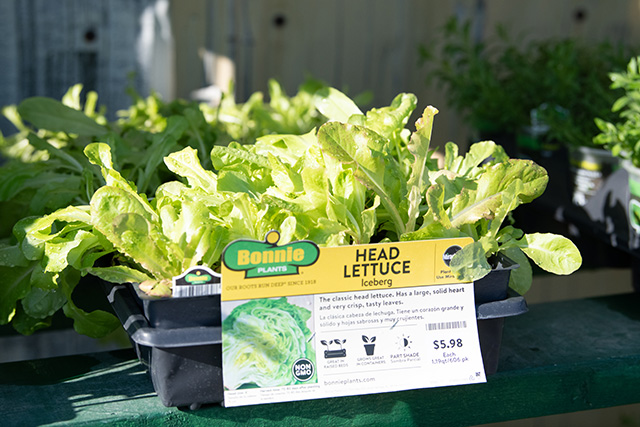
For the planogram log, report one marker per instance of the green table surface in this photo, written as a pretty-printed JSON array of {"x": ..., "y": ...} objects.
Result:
[{"x": 559, "y": 357}]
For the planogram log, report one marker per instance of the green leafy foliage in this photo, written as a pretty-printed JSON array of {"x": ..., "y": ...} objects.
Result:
[
  {"x": 54, "y": 160},
  {"x": 473, "y": 196},
  {"x": 46, "y": 168},
  {"x": 47, "y": 113},
  {"x": 478, "y": 77},
  {"x": 365, "y": 180},
  {"x": 496, "y": 82},
  {"x": 574, "y": 76},
  {"x": 621, "y": 134}
]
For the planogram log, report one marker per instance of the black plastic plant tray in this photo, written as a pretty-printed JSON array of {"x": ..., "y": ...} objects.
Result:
[
  {"x": 184, "y": 360},
  {"x": 170, "y": 313}
]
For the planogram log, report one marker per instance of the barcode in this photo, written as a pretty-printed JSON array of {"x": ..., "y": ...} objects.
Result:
[
  {"x": 196, "y": 290},
  {"x": 459, "y": 324}
]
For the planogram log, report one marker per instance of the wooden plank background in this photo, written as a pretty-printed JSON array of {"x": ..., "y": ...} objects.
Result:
[
  {"x": 367, "y": 45},
  {"x": 354, "y": 45},
  {"x": 48, "y": 46}
]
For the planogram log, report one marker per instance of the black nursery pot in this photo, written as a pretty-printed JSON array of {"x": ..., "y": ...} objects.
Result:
[
  {"x": 495, "y": 285},
  {"x": 179, "y": 340},
  {"x": 495, "y": 302}
]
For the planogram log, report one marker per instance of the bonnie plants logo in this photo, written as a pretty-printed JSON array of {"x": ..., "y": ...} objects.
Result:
[
  {"x": 265, "y": 259},
  {"x": 449, "y": 253}
]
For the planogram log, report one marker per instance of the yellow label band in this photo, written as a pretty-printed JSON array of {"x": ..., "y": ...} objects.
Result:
[{"x": 250, "y": 271}]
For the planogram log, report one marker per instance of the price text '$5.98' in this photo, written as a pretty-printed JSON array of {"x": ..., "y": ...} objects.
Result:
[{"x": 452, "y": 343}]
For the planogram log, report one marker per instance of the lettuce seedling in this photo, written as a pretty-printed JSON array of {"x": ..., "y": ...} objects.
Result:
[
  {"x": 473, "y": 196},
  {"x": 359, "y": 178}
]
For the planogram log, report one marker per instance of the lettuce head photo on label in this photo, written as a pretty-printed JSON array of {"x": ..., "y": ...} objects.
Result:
[{"x": 262, "y": 339}]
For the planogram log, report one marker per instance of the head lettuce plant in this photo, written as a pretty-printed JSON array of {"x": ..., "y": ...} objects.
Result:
[
  {"x": 473, "y": 196},
  {"x": 47, "y": 168},
  {"x": 282, "y": 181},
  {"x": 362, "y": 177}
]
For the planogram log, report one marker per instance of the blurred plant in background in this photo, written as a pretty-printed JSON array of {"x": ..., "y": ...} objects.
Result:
[
  {"x": 622, "y": 134},
  {"x": 506, "y": 85},
  {"x": 45, "y": 167}
]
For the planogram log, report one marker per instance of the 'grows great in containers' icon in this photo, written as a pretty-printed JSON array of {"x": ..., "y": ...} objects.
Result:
[
  {"x": 329, "y": 353},
  {"x": 369, "y": 345}
]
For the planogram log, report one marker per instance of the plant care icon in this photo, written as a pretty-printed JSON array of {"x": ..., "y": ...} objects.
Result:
[
  {"x": 369, "y": 344},
  {"x": 329, "y": 353},
  {"x": 404, "y": 343}
]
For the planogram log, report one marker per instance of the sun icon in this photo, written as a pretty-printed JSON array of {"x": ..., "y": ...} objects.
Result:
[{"x": 404, "y": 342}]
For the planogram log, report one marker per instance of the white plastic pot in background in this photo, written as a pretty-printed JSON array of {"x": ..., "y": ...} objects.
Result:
[{"x": 590, "y": 167}]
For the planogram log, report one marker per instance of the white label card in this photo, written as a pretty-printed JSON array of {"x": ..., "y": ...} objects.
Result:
[{"x": 366, "y": 342}]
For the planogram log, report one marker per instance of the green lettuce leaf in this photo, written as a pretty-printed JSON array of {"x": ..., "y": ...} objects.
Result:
[
  {"x": 118, "y": 274},
  {"x": 16, "y": 285},
  {"x": 40, "y": 303},
  {"x": 162, "y": 144},
  {"x": 553, "y": 253},
  {"x": 388, "y": 121},
  {"x": 418, "y": 180},
  {"x": 186, "y": 164},
  {"x": 335, "y": 105},
  {"x": 360, "y": 149},
  {"x": 27, "y": 325},
  {"x": 520, "y": 278},
  {"x": 470, "y": 263},
  {"x": 47, "y": 113},
  {"x": 287, "y": 148}
]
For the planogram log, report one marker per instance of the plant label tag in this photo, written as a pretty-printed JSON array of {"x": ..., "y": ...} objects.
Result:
[
  {"x": 371, "y": 333},
  {"x": 196, "y": 281}
]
